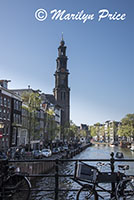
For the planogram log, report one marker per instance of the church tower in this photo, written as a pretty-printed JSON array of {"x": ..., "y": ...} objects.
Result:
[{"x": 61, "y": 90}]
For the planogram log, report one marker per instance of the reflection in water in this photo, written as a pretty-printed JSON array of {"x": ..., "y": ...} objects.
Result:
[{"x": 94, "y": 152}]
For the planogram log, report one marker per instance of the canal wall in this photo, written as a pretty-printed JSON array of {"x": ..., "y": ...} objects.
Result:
[
  {"x": 44, "y": 166},
  {"x": 35, "y": 167}
]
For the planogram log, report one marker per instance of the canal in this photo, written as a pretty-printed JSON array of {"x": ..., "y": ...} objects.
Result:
[{"x": 94, "y": 152}]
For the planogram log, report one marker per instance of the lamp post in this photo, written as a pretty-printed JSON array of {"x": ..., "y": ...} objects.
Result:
[{"x": 1, "y": 133}]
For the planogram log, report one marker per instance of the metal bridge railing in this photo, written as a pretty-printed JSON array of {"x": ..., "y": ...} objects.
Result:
[{"x": 57, "y": 175}]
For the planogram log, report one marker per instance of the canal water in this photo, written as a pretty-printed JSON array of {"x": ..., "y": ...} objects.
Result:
[{"x": 94, "y": 152}]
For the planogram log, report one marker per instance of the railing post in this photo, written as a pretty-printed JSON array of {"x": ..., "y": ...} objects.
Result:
[
  {"x": 112, "y": 170},
  {"x": 56, "y": 180}
]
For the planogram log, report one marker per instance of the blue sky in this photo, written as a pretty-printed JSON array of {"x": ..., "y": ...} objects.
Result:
[{"x": 101, "y": 54}]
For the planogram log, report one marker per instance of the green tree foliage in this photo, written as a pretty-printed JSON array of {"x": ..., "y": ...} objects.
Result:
[
  {"x": 69, "y": 131},
  {"x": 93, "y": 131},
  {"x": 102, "y": 131},
  {"x": 32, "y": 101},
  {"x": 73, "y": 130},
  {"x": 83, "y": 133},
  {"x": 127, "y": 126},
  {"x": 65, "y": 131},
  {"x": 51, "y": 126}
]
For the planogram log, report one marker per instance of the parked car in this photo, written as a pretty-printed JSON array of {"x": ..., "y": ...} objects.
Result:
[
  {"x": 46, "y": 152},
  {"x": 3, "y": 155},
  {"x": 37, "y": 154},
  {"x": 55, "y": 150},
  {"x": 61, "y": 149},
  {"x": 65, "y": 148}
]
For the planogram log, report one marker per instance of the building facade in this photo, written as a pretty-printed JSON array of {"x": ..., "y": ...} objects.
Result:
[
  {"x": 5, "y": 117},
  {"x": 25, "y": 126},
  {"x": 16, "y": 120},
  {"x": 10, "y": 116}
]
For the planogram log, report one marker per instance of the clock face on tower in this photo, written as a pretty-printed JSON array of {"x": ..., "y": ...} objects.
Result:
[{"x": 62, "y": 70}]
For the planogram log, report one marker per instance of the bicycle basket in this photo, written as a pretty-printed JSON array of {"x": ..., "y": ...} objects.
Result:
[{"x": 85, "y": 172}]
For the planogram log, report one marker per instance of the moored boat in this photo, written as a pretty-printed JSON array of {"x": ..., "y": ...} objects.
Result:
[{"x": 119, "y": 155}]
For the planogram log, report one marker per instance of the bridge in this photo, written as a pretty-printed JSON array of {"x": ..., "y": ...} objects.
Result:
[{"x": 56, "y": 175}]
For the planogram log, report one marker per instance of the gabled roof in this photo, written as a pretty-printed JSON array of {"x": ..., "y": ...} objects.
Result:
[{"x": 49, "y": 98}]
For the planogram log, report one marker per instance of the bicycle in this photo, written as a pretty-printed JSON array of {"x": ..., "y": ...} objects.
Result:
[
  {"x": 13, "y": 185},
  {"x": 124, "y": 187}
]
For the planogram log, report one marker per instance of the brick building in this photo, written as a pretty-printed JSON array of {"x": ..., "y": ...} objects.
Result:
[{"x": 10, "y": 116}]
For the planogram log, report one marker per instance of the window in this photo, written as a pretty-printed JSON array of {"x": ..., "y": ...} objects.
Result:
[
  {"x": 15, "y": 104},
  {"x": 1, "y": 113},
  {"x": 1, "y": 103},
  {"x": 19, "y": 119},
  {"x": 8, "y": 115},
  {"x": 5, "y": 101},
  {"x": 4, "y": 130},
  {"x": 14, "y": 136},
  {"x": 4, "y": 114},
  {"x": 8, "y": 103},
  {"x": 62, "y": 81},
  {"x": 7, "y": 132},
  {"x": 63, "y": 95},
  {"x": 14, "y": 118},
  {"x": 19, "y": 106}
]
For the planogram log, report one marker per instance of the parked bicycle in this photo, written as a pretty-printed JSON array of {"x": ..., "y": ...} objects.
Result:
[
  {"x": 91, "y": 178},
  {"x": 13, "y": 185}
]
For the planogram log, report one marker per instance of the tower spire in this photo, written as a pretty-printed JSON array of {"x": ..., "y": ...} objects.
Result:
[
  {"x": 62, "y": 37},
  {"x": 62, "y": 40},
  {"x": 61, "y": 90}
]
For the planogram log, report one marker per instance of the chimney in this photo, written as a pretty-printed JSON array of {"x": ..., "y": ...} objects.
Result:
[{"x": 4, "y": 83}]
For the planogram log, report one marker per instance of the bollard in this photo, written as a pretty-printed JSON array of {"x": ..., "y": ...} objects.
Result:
[{"x": 112, "y": 170}]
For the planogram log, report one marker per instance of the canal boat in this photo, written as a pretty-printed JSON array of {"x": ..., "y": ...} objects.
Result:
[
  {"x": 119, "y": 155},
  {"x": 112, "y": 145}
]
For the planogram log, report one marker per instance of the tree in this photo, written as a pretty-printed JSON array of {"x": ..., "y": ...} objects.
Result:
[
  {"x": 51, "y": 126},
  {"x": 69, "y": 131},
  {"x": 32, "y": 101},
  {"x": 93, "y": 131},
  {"x": 73, "y": 130},
  {"x": 97, "y": 127},
  {"x": 65, "y": 130},
  {"x": 127, "y": 126},
  {"x": 83, "y": 133},
  {"x": 107, "y": 133},
  {"x": 102, "y": 132}
]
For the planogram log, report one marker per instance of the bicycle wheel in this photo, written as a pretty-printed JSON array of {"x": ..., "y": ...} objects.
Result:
[
  {"x": 125, "y": 189},
  {"x": 86, "y": 193},
  {"x": 19, "y": 187}
]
